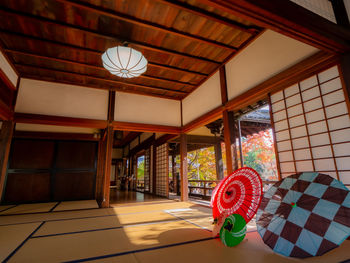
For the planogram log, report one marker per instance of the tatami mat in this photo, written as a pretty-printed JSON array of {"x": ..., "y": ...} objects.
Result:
[
  {"x": 76, "y": 205},
  {"x": 5, "y": 207},
  {"x": 153, "y": 232},
  {"x": 29, "y": 208},
  {"x": 151, "y": 207},
  {"x": 97, "y": 243},
  {"x": 12, "y": 236},
  {"x": 15, "y": 219}
]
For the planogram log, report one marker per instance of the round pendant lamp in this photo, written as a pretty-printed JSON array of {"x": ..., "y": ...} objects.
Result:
[{"x": 124, "y": 62}]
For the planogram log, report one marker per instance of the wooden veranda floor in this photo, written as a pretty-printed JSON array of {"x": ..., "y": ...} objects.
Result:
[{"x": 141, "y": 232}]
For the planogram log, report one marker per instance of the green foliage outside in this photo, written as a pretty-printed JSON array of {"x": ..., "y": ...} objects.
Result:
[{"x": 141, "y": 167}]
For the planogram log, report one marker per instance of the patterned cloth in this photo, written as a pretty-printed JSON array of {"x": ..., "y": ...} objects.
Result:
[
  {"x": 238, "y": 193},
  {"x": 305, "y": 215}
]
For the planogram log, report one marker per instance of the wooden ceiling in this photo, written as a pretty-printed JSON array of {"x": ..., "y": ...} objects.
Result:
[{"x": 184, "y": 41}]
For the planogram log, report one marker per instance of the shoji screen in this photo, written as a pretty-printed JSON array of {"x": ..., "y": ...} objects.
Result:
[
  {"x": 147, "y": 171},
  {"x": 312, "y": 126},
  {"x": 162, "y": 170}
]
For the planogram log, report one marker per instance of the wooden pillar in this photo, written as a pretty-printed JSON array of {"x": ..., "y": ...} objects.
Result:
[
  {"x": 183, "y": 167},
  {"x": 345, "y": 74},
  {"x": 103, "y": 178},
  {"x": 6, "y": 134},
  {"x": 340, "y": 13},
  {"x": 108, "y": 166},
  {"x": 218, "y": 161},
  {"x": 240, "y": 142},
  {"x": 229, "y": 128},
  {"x": 229, "y": 139}
]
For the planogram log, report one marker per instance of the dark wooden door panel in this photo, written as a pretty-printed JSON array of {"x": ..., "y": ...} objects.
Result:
[
  {"x": 76, "y": 155},
  {"x": 74, "y": 186},
  {"x": 47, "y": 170},
  {"x": 27, "y": 187},
  {"x": 32, "y": 154}
]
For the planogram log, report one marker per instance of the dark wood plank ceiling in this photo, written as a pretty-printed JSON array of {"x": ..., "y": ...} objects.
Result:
[{"x": 62, "y": 41}]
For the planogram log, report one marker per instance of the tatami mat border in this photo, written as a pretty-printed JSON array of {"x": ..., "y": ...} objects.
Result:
[{"x": 51, "y": 210}]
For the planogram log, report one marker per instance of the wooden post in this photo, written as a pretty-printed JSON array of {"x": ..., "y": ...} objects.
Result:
[
  {"x": 6, "y": 134},
  {"x": 228, "y": 131},
  {"x": 345, "y": 74},
  {"x": 218, "y": 161},
  {"x": 229, "y": 128},
  {"x": 108, "y": 166},
  {"x": 183, "y": 167},
  {"x": 240, "y": 142},
  {"x": 340, "y": 13},
  {"x": 103, "y": 178}
]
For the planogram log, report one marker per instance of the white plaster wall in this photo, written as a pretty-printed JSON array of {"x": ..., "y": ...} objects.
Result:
[
  {"x": 53, "y": 128},
  {"x": 8, "y": 70},
  {"x": 148, "y": 110},
  {"x": 56, "y": 99},
  {"x": 204, "y": 99},
  {"x": 267, "y": 56}
]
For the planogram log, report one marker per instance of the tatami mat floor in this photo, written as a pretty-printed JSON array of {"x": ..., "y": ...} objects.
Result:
[
  {"x": 47, "y": 207},
  {"x": 165, "y": 231}
]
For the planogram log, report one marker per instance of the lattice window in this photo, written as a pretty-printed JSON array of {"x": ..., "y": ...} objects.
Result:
[
  {"x": 147, "y": 170},
  {"x": 312, "y": 126},
  {"x": 162, "y": 170}
]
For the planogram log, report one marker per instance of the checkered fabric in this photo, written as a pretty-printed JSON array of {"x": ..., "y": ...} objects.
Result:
[{"x": 319, "y": 222}]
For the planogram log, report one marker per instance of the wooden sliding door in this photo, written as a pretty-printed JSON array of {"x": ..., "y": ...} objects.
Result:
[{"x": 50, "y": 170}]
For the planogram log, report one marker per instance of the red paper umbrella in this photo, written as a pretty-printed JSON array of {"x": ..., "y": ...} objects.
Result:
[{"x": 238, "y": 193}]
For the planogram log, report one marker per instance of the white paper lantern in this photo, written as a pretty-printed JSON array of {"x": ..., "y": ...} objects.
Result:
[{"x": 124, "y": 62}]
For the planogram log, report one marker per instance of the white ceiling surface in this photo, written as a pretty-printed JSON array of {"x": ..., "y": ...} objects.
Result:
[
  {"x": 53, "y": 128},
  {"x": 56, "y": 99},
  {"x": 147, "y": 110},
  {"x": 267, "y": 56},
  {"x": 204, "y": 99},
  {"x": 8, "y": 70}
]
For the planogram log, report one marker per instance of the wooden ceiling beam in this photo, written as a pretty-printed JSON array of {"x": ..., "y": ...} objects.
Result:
[
  {"x": 99, "y": 53},
  {"x": 290, "y": 19},
  {"x": 110, "y": 37},
  {"x": 143, "y": 23},
  {"x": 71, "y": 62},
  {"x": 142, "y": 127},
  {"x": 211, "y": 16},
  {"x": 59, "y": 120},
  {"x": 127, "y": 139},
  {"x": 56, "y": 136},
  {"x": 102, "y": 79}
]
